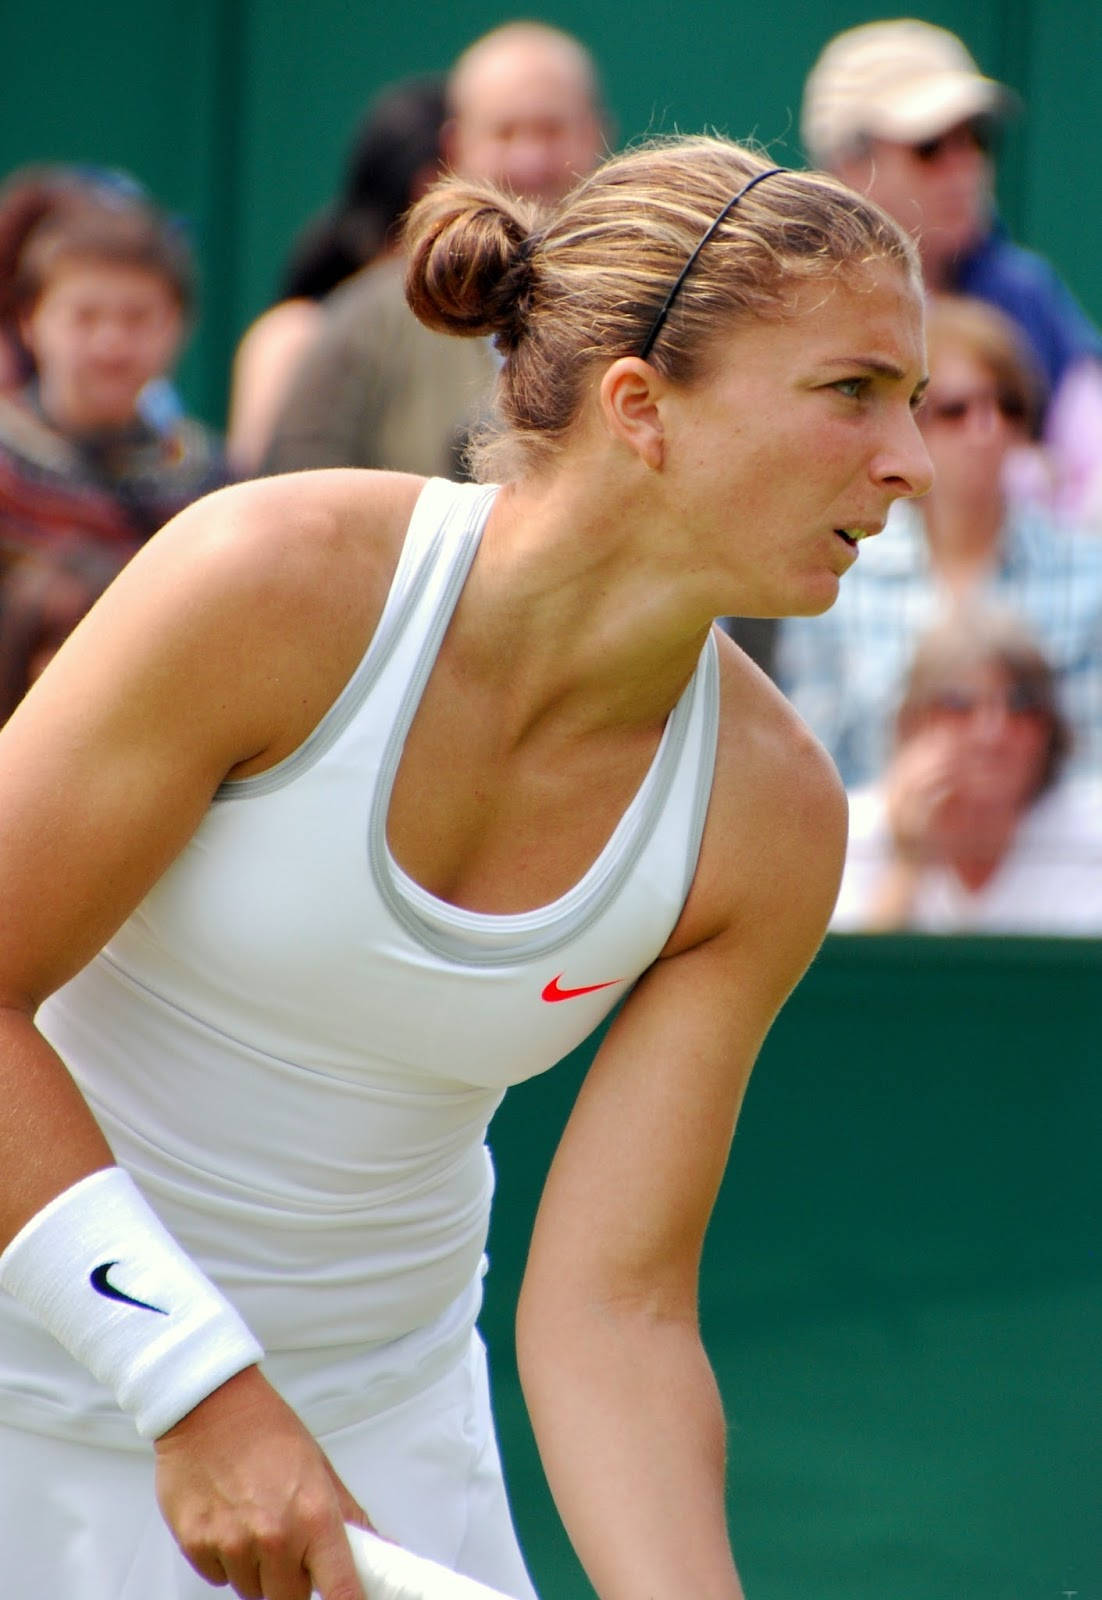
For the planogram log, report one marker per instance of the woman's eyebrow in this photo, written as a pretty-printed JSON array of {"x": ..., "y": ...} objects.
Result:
[{"x": 875, "y": 364}]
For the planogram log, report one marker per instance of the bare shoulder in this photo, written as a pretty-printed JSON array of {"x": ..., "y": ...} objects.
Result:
[
  {"x": 775, "y": 838},
  {"x": 315, "y": 548},
  {"x": 263, "y": 365},
  {"x": 281, "y": 327},
  {"x": 767, "y": 756},
  {"x": 215, "y": 652},
  {"x": 307, "y": 519},
  {"x": 302, "y": 564}
]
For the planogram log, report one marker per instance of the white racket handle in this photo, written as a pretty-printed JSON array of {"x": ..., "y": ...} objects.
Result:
[{"x": 390, "y": 1573}]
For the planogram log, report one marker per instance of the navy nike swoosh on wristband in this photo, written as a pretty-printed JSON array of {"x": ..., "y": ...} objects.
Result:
[{"x": 102, "y": 1285}]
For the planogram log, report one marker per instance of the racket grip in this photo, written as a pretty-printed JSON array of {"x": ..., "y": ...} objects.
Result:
[{"x": 390, "y": 1573}]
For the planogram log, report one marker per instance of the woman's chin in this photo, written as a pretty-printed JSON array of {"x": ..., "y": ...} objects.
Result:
[{"x": 815, "y": 599}]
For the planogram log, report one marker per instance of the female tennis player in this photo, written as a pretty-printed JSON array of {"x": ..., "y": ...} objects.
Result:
[{"x": 358, "y": 798}]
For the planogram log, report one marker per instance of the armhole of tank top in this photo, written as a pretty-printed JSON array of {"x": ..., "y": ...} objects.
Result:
[
  {"x": 444, "y": 511},
  {"x": 706, "y": 767}
]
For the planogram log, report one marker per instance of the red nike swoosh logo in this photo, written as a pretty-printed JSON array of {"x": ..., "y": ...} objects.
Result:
[{"x": 553, "y": 992}]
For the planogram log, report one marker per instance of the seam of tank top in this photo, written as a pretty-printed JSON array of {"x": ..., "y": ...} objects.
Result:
[
  {"x": 705, "y": 772},
  {"x": 395, "y": 1096},
  {"x": 413, "y": 572},
  {"x": 544, "y": 929},
  {"x": 127, "y": 977},
  {"x": 165, "y": 1172}
]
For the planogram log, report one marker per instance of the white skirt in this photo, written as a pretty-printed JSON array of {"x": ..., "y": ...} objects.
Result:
[{"x": 80, "y": 1521}]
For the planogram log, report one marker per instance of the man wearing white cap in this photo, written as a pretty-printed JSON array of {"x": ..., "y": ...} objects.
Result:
[{"x": 900, "y": 111}]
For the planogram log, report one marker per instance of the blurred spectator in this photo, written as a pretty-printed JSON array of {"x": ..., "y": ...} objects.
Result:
[
  {"x": 43, "y": 596},
  {"x": 973, "y": 827},
  {"x": 100, "y": 290},
  {"x": 843, "y": 670},
  {"x": 27, "y": 197},
  {"x": 395, "y": 156},
  {"x": 900, "y": 111},
  {"x": 378, "y": 389}
]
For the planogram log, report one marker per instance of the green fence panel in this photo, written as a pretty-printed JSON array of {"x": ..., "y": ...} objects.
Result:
[{"x": 902, "y": 1290}]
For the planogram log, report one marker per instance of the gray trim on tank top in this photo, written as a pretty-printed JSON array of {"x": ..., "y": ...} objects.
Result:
[
  {"x": 458, "y": 934},
  {"x": 405, "y": 597},
  {"x": 452, "y": 931}
]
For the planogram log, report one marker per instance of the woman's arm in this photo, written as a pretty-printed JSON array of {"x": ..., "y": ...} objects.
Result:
[
  {"x": 191, "y": 667},
  {"x": 622, "y": 1397},
  {"x": 215, "y": 651},
  {"x": 263, "y": 366}
]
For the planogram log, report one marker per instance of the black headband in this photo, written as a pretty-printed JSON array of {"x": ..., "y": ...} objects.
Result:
[{"x": 656, "y": 325}]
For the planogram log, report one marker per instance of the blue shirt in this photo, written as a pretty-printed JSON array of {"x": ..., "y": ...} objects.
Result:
[
  {"x": 1030, "y": 290},
  {"x": 844, "y": 671}
]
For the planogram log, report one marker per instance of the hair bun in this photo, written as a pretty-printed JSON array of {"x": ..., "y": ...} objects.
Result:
[{"x": 469, "y": 270}]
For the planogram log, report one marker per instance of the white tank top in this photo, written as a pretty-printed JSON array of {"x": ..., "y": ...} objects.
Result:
[{"x": 296, "y": 1049}]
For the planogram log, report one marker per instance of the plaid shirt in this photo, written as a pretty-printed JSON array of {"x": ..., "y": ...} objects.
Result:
[
  {"x": 844, "y": 671},
  {"x": 116, "y": 489}
]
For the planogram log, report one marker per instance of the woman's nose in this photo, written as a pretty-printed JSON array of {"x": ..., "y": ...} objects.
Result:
[{"x": 906, "y": 467}]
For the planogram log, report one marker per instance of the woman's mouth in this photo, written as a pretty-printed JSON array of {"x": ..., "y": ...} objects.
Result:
[{"x": 853, "y": 536}]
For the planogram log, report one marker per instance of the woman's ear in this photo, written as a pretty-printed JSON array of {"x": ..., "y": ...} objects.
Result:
[{"x": 630, "y": 395}]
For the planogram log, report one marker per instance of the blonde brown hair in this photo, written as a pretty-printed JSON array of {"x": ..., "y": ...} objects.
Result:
[
  {"x": 959, "y": 322},
  {"x": 568, "y": 291}
]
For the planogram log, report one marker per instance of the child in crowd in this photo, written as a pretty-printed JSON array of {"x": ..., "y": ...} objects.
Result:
[{"x": 100, "y": 290}]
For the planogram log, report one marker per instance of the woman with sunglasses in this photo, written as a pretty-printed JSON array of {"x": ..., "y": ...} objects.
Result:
[
  {"x": 358, "y": 798},
  {"x": 974, "y": 828},
  {"x": 969, "y": 538}
]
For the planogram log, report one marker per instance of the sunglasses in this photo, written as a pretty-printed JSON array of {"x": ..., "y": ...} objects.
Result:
[
  {"x": 1019, "y": 700},
  {"x": 977, "y": 134},
  {"x": 954, "y": 410}
]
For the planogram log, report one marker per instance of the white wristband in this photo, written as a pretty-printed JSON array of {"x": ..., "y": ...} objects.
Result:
[{"x": 108, "y": 1280}]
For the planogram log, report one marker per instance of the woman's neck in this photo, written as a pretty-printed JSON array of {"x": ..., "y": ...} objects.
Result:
[
  {"x": 964, "y": 542},
  {"x": 69, "y": 414},
  {"x": 977, "y": 857},
  {"x": 583, "y": 612}
]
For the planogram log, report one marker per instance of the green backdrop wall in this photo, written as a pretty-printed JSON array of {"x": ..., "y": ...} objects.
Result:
[
  {"x": 237, "y": 112},
  {"x": 902, "y": 1290}
]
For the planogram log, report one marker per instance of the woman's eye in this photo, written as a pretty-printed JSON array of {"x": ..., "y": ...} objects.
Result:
[{"x": 852, "y": 388}]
